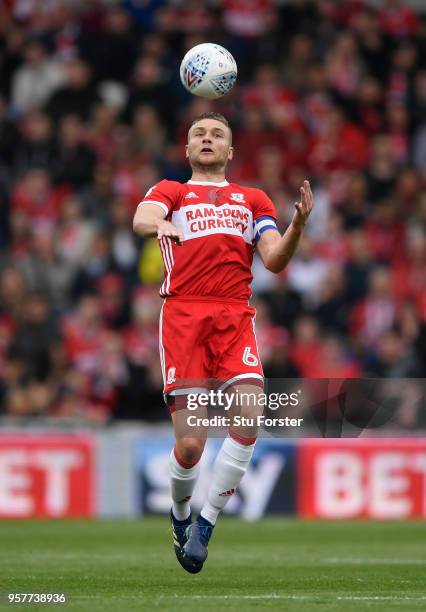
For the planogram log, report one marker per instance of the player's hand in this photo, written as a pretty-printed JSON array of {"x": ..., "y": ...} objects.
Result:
[
  {"x": 166, "y": 229},
  {"x": 304, "y": 207}
]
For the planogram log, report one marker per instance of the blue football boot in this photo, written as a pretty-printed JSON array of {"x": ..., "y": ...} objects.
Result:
[
  {"x": 195, "y": 549},
  {"x": 179, "y": 531}
]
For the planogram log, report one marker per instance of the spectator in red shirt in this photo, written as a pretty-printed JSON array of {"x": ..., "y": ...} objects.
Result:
[
  {"x": 113, "y": 304},
  {"x": 99, "y": 135},
  {"x": 334, "y": 246},
  {"x": 397, "y": 19},
  {"x": 245, "y": 18},
  {"x": 37, "y": 200},
  {"x": 333, "y": 361},
  {"x": 85, "y": 335},
  {"x": 385, "y": 232},
  {"x": 267, "y": 91},
  {"x": 141, "y": 335},
  {"x": 339, "y": 145},
  {"x": 317, "y": 99},
  {"x": 306, "y": 344}
]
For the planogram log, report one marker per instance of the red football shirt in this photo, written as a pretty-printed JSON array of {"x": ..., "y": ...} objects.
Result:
[{"x": 221, "y": 223}]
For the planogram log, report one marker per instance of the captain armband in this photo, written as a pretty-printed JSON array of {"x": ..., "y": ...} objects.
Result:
[{"x": 261, "y": 225}]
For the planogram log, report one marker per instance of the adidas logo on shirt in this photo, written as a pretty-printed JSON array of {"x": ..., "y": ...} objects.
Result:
[{"x": 191, "y": 194}]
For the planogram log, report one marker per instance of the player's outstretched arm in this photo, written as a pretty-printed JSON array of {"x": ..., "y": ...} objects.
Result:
[
  {"x": 149, "y": 222},
  {"x": 275, "y": 250}
]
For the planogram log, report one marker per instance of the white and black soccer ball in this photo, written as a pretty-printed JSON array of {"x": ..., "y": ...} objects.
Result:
[{"x": 208, "y": 70}]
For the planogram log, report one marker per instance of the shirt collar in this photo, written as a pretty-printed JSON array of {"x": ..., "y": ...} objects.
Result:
[{"x": 222, "y": 184}]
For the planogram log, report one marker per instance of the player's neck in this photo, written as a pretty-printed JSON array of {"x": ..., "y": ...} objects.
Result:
[{"x": 208, "y": 177}]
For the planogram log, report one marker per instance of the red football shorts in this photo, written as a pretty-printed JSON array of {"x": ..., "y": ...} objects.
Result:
[{"x": 206, "y": 344}]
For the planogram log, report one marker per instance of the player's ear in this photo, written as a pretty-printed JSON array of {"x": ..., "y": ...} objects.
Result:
[
  {"x": 186, "y": 151},
  {"x": 230, "y": 153}
]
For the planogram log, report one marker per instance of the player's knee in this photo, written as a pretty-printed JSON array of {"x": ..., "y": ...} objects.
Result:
[{"x": 190, "y": 449}]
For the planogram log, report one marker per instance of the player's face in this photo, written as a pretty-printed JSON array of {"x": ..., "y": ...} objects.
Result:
[{"x": 209, "y": 144}]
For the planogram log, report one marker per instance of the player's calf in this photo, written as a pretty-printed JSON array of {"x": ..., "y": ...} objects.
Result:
[{"x": 183, "y": 477}]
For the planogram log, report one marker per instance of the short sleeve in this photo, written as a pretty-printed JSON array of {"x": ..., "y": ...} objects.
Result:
[
  {"x": 264, "y": 214},
  {"x": 163, "y": 194},
  {"x": 262, "y": 205}
]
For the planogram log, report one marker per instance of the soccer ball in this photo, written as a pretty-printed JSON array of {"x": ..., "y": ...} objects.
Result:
[{"x": 208, "y": 70}]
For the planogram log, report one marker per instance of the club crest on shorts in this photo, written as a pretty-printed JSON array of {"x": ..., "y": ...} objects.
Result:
[
  {"x": 171, "y": 375},
  {"x": 237, "y": 197}
]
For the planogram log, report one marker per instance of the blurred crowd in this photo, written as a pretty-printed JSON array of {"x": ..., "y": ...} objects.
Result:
[{"x": 92, "y": 114}]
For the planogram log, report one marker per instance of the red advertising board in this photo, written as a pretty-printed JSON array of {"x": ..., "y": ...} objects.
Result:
[
  {"x": 46, "y": 476},
  {"x": 362, "y": 478}
]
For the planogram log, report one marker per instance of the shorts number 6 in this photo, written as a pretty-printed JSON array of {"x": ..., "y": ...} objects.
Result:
[{"x": 248, "y": 358}]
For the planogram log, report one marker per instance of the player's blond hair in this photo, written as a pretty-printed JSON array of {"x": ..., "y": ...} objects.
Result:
[{"x": 212, "y": 115}]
